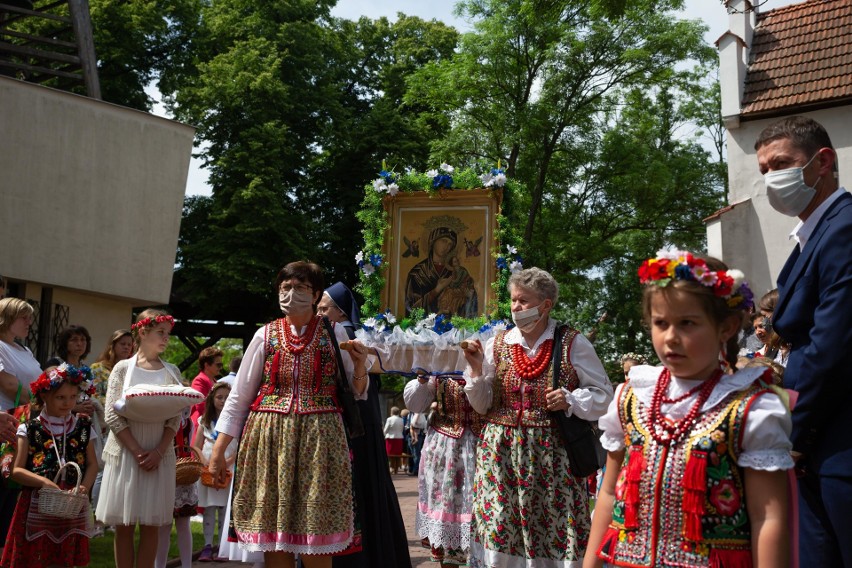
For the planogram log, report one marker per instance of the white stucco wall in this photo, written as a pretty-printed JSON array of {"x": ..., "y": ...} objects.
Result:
[
  {"x": 761, "y": 247},
  {"x": 91, "y": 193}
]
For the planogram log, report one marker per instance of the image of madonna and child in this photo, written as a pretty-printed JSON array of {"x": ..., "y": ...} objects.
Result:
[
  {"x": 46, "y": 443},
  {"x": 698, "y": 459}
]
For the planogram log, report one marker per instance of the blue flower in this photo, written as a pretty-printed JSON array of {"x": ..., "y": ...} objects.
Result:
[
  {"x": 442, "y": 180},
  {"x": 501, "y": 263},
  {"x": 683, "y": 272},
  {"x": 442, "y": 324},
  {"x": 387, "y": 176},
  {"x": 376, "y": 260}
]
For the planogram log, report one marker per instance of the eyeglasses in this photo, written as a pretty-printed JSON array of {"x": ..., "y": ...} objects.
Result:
[{"x": 302, "y": 288}]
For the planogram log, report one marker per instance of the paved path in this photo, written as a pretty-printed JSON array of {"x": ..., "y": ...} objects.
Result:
[{"x": 406, "y": 489}]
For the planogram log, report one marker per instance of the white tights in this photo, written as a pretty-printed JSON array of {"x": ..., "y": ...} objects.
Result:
[
  {"x": 184, "y": 540},
  {"x": 210, "y": 523}
]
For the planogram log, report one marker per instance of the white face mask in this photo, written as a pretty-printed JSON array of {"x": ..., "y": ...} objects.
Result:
[
  {"x": 295, "y": 302},
  {"x": 787, "y": 191},
  {"x": 526, "y": 320}
]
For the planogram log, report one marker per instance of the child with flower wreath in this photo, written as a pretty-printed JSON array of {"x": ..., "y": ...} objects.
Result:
[
  {"x": 696, "y": 473},
  {"x": 46, "y": 443}
]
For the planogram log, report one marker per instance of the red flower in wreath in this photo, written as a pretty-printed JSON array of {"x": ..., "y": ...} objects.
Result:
[
  {"x": 724, "y": 284},
  {"x": 725, "y": 498},
  {"x": 653, "y": 269}
]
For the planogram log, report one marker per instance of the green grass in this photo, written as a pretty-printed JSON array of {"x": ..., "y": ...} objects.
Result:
[{"x": 101, "y": 553}]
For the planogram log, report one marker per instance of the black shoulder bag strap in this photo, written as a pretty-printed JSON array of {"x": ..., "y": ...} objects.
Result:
[
  {"x": 351, "y": 413},
  {"x": 579, "y": 436}
]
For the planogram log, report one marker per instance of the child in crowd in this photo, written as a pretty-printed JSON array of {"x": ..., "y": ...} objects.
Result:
[
  {"x": 139, "y": 462},
  {"x": 213, "y": 500},
  {"x": 697, "y": 458},
  {"x": 186, "y": 503},
  {"x": 45, "y": 444}
]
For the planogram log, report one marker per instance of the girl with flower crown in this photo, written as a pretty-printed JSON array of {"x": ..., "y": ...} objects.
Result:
[
  {"x": 139, "y": 460},
  {"x": 45, "y": 444},
  {"x": 696, "y": 467}
]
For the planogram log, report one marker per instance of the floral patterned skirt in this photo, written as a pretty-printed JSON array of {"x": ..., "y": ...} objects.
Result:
[
  {"x": 446, "y": 494},
  {"x": 293, "y": 484},
  {"x": 528, "y": 509}
]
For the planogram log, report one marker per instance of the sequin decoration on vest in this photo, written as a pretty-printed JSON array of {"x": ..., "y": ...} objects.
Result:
[
  {"x": 298, "y": 376},
  {"x": 454, "y": 411},
  {"x": 519, "y": 392},
  {"x": 683, "y": 496}
]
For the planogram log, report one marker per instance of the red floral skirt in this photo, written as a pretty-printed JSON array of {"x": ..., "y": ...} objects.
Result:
[{"x": 21, "y": 553}]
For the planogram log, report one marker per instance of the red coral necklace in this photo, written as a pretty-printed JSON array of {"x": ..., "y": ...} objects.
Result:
[
  {"x": 296, "y": 344},
  {"x": 667, "y": 432},
  {"x": 529, "y": 369}
]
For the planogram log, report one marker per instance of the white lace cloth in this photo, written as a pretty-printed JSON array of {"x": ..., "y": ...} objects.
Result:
[
  {"x": 588, "y": 401},
  {"x": 766, "y": 434}
]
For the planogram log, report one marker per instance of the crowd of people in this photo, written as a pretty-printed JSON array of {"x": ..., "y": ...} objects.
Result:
[{"x": 732, "y": 452}]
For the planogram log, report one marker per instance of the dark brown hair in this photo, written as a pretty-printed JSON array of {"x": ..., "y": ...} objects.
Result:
[
  {"x": 65, "y": 336},
  {"x": 805, "y": 133},
  {"x": 208, "y": 355},
  {"x": 149, "y": 313},
  {"x": 303, "y": 271},
  {"x": 767, "y": 301},
  {"x": 209, "y": 404},
  {"x": 716, "y": 308}
]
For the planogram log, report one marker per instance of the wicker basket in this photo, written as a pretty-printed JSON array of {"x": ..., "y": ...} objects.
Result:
[
  {"x": 207, "y": 479},
  {"x": 59, "y": 503},
  {"x": 187, "y": 471}
]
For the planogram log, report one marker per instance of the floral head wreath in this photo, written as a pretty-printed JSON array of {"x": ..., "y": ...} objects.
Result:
[
  {"x": 65, "y": 373},
  {"x": 669, "y": 265},
  {"x": 640, "y": 359},
  {"x": 152, "y": 321}
]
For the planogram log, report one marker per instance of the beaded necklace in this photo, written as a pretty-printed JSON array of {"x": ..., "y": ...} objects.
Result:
[
  {"x": 529, "y": 369},
  {"x": 66, "y": 425},
  {"x": 667, "y": 432},
  {"x": 296, "y": 344}
]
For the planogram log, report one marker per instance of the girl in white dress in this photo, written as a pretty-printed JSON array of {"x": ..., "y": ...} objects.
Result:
[
  {"x": 139, "y": 471},
  {"x": 213, "y": 500}
]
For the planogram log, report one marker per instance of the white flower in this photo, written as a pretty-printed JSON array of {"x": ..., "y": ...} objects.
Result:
[
  {"x": 432, "y": 173},
  {"x": 499, "y": 326},
  {"x": 368, "y": 268},
  {"x": 390, "y": 318},
  {"x": 359, "y": 258},
  {"x": 393, "y": 189},
  {"x": 511, "y": 250},
  {"x": 370, "y": 323},
  {"x": 671, "y": 253},
  {"x": 499, "y": 180},
  {"x": 447, "y": 168},
  {"x": 379, "y": 185},
  {"x": 487, "y": 179},
  {"x": 738, "y": 277},
  {"x": 515, "y": 266}
]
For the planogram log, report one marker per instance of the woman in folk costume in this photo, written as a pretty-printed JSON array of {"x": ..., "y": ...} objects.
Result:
[
  {"x": 293, "y": 479},
  {"x": 529, "y": 509},
  {"x": 382, "y": 528},
  {"x": 447, "y": 463},
  {"x": 697, "y": 457}
]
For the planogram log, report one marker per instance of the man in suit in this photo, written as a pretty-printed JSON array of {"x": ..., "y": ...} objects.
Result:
[{"x": 814, "y": 314}]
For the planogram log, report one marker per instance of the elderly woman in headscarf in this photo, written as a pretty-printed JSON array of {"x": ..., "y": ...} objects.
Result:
[
  {"x": 529, "y": 509},
  {"x": 382, "y": 529}
]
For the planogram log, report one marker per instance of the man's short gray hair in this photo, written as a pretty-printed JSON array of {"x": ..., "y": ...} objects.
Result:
[{"x": 536, "y": 280}]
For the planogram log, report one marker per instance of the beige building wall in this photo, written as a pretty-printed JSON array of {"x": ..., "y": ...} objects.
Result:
[
  {"x": 91, "y": 193},
  {"x": 752, "y": 235}
]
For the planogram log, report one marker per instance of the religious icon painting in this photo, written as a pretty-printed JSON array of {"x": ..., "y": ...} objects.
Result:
[{"x": 439, "y": 248}]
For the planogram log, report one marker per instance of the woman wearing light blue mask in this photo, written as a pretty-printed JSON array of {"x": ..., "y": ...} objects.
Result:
[{"x": 522, "y": 467}]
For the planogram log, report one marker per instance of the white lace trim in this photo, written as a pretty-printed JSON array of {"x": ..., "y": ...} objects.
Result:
[
  {"x": 482, "y": 556},
  {"x": 766, "y": 460},
  {"x": 612, "y": 443},
  {"x": 295, "y": 548},
  {"x": 448, "y": 535}
]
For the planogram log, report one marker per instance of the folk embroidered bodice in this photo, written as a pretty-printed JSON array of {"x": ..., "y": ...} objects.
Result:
[
  {"x": 521, "y": 402},
  {"x": 302, "y": 382},
  {"x": 42, "y": 458},
  {"x": 454, "y": 411},
  {"x": 682, "y": 504}
]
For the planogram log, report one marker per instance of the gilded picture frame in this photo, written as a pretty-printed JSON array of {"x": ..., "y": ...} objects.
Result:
[{"x": 439, "y": 251}]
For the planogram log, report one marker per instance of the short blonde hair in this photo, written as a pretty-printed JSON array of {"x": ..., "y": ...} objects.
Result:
[{"x": 10, "y": 310}]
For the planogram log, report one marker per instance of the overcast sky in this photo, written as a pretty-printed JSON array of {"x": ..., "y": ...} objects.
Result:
[{"x": 712, "y": 12}]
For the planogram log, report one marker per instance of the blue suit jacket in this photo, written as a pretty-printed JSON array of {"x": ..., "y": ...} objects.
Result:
[{"x": 814, "y": 313}]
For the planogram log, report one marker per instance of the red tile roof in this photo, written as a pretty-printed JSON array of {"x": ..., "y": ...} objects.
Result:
[{"x": 801, "y": 55}]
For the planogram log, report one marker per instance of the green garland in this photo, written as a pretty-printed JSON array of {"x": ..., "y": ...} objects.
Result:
[{"x": 376, "y": 223}]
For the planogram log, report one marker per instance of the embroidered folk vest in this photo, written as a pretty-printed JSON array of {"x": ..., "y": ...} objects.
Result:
[
  {"x": 454, "y": 411},
  {"x": 687, "y": 505},
  {"x": 301, "y": 383},
  {"x": 519, "y": 402},
  {"x": 42, "y": 458}
]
